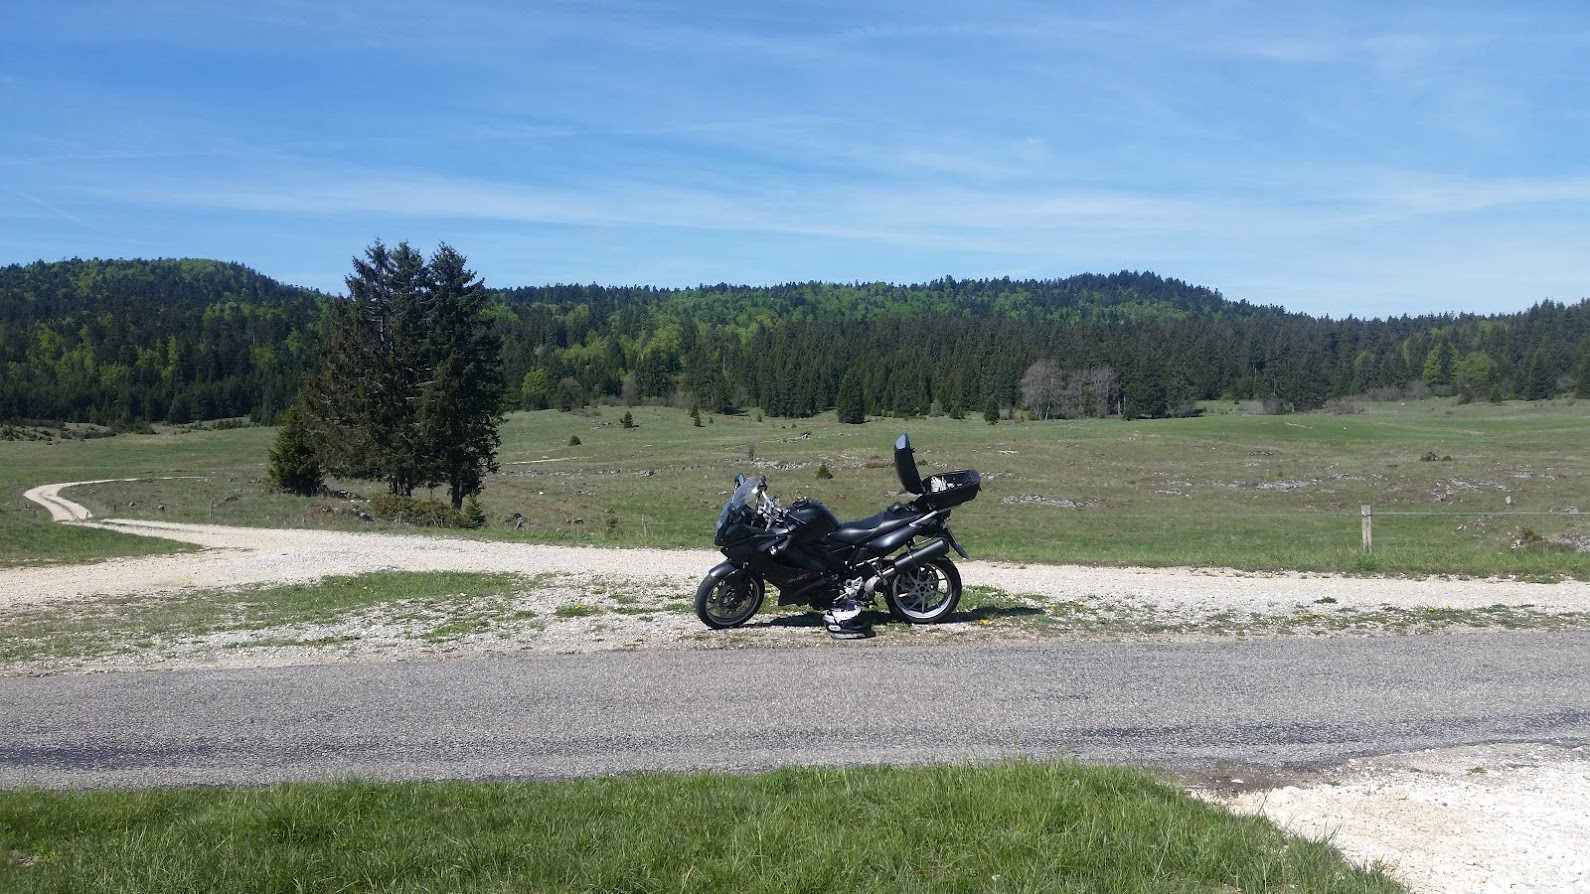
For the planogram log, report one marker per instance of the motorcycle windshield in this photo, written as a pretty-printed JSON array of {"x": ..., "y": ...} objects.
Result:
[{"x": 744, "y": 496}]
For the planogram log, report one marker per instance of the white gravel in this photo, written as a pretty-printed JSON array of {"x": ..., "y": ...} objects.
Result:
[
  {"x": 247, "y": 556},
  {"x": 239, "y": 557},
  {"x": 1489, "y": 818},
  {"x": 1493, "y": 818}
]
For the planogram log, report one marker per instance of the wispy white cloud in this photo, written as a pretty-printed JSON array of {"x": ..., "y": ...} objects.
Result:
[
  {"x": 49, "y": 208},
  {"x": 1428, "y": 196},
  {"x": 1232, "y": 141}
]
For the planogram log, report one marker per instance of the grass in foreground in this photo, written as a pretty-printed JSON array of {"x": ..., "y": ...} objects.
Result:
[{"x": 1051, "y": 827}]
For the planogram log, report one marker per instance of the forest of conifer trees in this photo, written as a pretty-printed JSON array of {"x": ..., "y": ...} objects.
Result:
[{"x": 128, "y": 342}]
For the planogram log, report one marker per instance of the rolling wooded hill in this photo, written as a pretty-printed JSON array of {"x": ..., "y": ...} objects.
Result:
[{"x": 121, "y": 342}]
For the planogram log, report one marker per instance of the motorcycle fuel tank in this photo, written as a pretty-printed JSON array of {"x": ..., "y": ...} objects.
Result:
[{"x": 811, "y": 520}]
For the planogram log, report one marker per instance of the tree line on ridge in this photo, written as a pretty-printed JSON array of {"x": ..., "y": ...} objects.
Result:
[{"x": 130, "y": 342}]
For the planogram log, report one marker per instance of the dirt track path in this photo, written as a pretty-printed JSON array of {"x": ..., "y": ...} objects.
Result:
[
  {"x": 255, "y": 556},
  {"x": 62, "y": 509}
]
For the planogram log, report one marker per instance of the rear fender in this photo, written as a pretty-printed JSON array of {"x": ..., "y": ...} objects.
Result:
[{"x": 948, "y": 535}]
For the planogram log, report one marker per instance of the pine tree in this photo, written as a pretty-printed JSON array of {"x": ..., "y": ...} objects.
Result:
[
  {"x": 1438, "y": 365},
  {"x": 704, "y": 381},
  {"x": 362, "y": 400},
  {"x": 851, "y": 404},
  {"x": 460, "y": 407},
  {"x": 410, "y": 386},
  {"x": 1583, "y": 370},
  {"x": 1539, "y": 381},
  {"x": 294, "y": 461},
  {"x": 1145, "y": 392}
]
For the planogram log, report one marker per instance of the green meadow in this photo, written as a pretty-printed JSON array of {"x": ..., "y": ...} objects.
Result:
[
  {"x": 1473, "y": 489},
  {"x": 1022, "y": 827}
]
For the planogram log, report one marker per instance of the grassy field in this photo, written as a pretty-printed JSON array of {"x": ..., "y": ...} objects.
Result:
[
  {"x": 1050, "y": 827},
  {"x": 207, "y": 459},
  {"x": 1472, "y": 489}
]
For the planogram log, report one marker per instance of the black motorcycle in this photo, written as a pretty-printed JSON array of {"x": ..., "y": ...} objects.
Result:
[{"x": 813, "y": 559}]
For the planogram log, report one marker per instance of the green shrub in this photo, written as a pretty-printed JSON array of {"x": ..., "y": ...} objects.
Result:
[
  {"x": 294, "y": 461},
  {"x": 419, "y": 513},
  {"x": 474, "y": 516}
]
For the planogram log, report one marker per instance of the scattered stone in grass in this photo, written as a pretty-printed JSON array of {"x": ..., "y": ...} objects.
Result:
[{"x": 1058, "y": 503}]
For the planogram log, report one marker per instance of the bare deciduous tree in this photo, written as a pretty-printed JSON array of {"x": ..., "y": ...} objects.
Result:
[
  {"x": 1095, "y": 389},
  {"x": 1049, "y": 390},
  {"x": 1042, "y": 386}
]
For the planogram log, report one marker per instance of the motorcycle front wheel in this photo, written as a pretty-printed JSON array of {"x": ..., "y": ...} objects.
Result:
[
  {"x": 926, "y": 594},
  {"x": 729, "y": 600}
]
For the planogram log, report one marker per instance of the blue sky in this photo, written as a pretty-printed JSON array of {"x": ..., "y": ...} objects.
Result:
[{"x": 1335, "y": 158}]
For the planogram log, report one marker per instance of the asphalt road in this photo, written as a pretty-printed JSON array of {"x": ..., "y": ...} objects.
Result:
[{"x": 1187, "y": 706}]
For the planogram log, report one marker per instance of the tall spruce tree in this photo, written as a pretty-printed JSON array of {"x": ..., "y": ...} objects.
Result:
[
  {"x": 1539, "y": 383},
  {"x": 361, "y": 402},
  {"x": 1145, "y": 391},
  {"x": 851, "y": 403},
  {"x": 460, "y": 406},
  {"x": 410, "y": 385},
  {"x": 1582, "y": 388}
]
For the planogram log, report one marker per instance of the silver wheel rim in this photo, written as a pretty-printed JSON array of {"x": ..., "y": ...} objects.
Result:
[{"x": 922, "y": 592}]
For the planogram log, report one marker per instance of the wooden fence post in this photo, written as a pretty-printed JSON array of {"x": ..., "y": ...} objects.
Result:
[{"x": 1367, "y": 517}]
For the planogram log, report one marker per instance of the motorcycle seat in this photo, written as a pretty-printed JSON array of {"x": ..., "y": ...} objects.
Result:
[{"x": 865, "y": 529}]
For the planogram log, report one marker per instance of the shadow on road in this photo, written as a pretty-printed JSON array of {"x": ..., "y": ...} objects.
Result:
[{"x": 876, "y": 617}]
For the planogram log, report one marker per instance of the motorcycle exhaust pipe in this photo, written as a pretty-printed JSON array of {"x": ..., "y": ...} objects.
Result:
[
  {"x": 911, "y": 560},
  {"x": 905, "y": 564}
]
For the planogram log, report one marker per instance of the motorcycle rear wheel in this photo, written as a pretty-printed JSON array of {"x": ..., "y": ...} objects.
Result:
[
  {"x": 730, "y": 600},
  {"x": 926, "y": 594}
]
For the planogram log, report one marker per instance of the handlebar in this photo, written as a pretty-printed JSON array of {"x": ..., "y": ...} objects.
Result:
[
  {"x": 763, "y": 504},
  {"x": 767, "y": 506}
]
